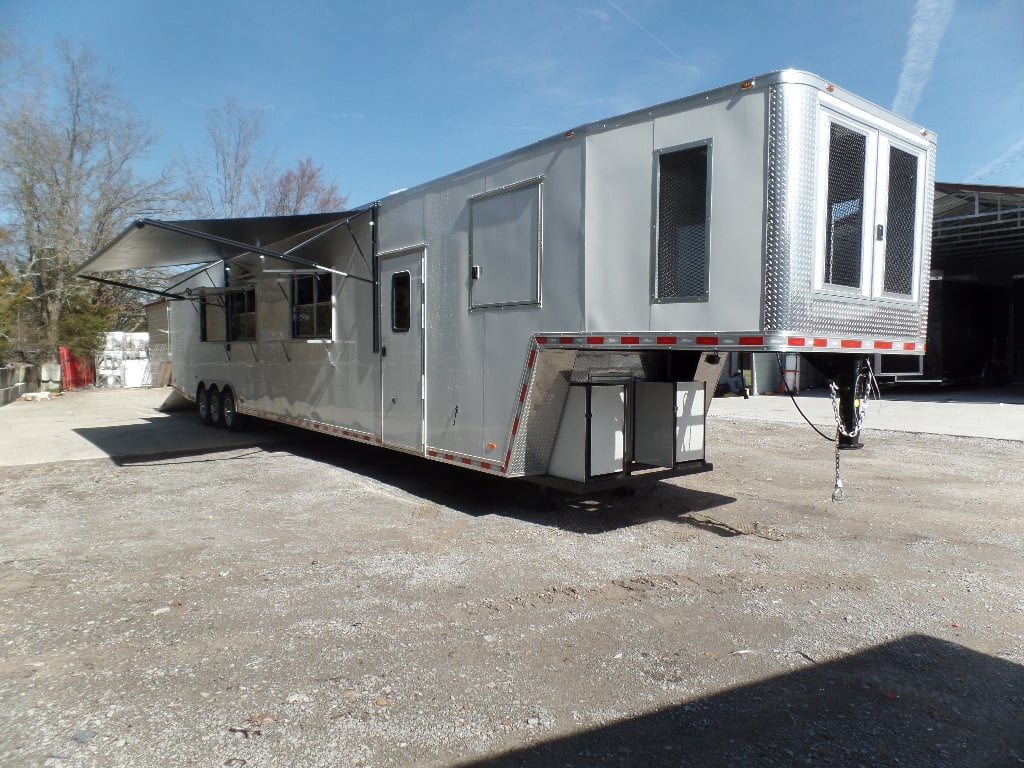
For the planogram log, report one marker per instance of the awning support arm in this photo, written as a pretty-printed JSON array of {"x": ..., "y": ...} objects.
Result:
[{"x": 154, "y": 291}]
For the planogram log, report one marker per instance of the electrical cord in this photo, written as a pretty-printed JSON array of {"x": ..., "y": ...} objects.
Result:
[{"x": 782, "y": 372}]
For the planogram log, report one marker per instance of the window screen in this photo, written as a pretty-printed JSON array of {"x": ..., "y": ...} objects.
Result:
[
  {"x": 401, "y": 302},
  {"x": 682, "y": 250},
  {"x": 311, "y": 306},
  {"x": 902, "y": 222},
  {"x": 845, "y": 214}
]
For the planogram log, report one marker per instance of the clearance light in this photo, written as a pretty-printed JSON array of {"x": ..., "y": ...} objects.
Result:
[
  {"x": 491, "y": 446},
  {"x": 830, "y": 88},
  {"x": 570, "y": 134},
  {"x": 747, "y": 84}
]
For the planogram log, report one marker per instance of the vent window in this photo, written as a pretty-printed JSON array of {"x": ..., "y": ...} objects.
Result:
[{"x": 681, "y": 271}]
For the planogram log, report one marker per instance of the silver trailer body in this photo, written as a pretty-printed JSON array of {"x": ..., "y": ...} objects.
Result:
[{"x": 560, "y": 312}]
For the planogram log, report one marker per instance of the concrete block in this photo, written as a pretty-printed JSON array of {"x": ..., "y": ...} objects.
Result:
[{"x": 50, "y": 372}]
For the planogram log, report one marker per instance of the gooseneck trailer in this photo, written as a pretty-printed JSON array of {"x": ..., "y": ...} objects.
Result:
[{"x": 562, "y": 312}]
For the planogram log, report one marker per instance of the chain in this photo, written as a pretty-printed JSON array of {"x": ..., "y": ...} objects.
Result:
[
  {"x": 838, "y": 492},
  {"x": 862, "y": 389}
]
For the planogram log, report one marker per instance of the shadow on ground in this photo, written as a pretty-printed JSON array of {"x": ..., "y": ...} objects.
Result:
[
  {"x": 917, "y": 701},
  {"x": 181, "y": 437},
  {"x": 1009, "y": 394}
]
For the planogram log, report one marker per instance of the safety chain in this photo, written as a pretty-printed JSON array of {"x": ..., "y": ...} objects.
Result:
[
  {"x": 838, "y": 493},
  {"x": 862, "y": 388}
]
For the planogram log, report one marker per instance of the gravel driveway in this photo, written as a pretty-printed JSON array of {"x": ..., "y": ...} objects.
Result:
[{"x": 310, "y": 602}]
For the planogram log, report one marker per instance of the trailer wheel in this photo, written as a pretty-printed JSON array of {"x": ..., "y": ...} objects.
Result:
[
  {"x": 213, "y": 397},
  {"x": 230, "y": 418},
  {"x": 203, "y": 405}
]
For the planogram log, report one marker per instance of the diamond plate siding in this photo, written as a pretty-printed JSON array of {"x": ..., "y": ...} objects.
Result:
[
  {"x": 791, "y": 303},
  {"x": 542, "y": 412}
]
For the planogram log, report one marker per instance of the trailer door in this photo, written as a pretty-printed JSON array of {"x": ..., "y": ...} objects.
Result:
[{"x": 402, "y": 349}]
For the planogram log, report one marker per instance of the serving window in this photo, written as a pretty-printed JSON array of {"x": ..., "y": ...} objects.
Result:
[
  {"x": 312, "y": 306},
  {"x": 505, "y": 244}
]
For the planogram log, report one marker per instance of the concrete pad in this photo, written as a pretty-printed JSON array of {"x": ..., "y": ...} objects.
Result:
[
  {"x": 111, "y": 423},
  {"x": 996, "y": 413}
]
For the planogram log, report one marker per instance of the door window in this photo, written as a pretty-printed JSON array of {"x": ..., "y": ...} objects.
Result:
[{"x": 401, "y": 302}]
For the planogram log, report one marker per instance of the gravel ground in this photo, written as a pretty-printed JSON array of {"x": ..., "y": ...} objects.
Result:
[{"x": 317, "y": 603}]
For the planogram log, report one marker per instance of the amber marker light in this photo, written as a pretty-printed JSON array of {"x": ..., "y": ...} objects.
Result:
[{"x": 747, "y": 84}]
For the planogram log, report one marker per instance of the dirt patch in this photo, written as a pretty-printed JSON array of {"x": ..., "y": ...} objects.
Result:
[{"x": 312, "y": 602}]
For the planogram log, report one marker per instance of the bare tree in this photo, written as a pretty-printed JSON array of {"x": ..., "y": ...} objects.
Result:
[
  {"x": 302, "y": 189},
  {"x": 235, "y": 176},
  {"x": 67, "y": 186},
  {"x": 225, "y": 180}
]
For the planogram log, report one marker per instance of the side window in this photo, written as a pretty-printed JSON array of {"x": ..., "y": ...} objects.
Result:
[
  {"x": 844, "y": 244},
  {"x": 401, "y": 302},
  {"x": 681, "y": 252},
  {"x": 241, "y": 312},
  {"x": 312, "y": 311}
]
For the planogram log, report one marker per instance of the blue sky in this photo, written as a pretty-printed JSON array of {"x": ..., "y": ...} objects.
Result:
[{"x": 389, "y": 94}]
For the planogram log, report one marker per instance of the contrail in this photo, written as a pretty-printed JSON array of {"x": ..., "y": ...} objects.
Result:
[
  {"x": 931, "y": 17},
  {"x": 1012, "y": 155},
  {"x": 645, "y": 30}
]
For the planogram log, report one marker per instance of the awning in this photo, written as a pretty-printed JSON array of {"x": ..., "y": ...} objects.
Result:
[{"x": 150, "y": 244}]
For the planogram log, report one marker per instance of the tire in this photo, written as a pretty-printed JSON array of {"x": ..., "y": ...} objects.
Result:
[
  {"x": 203, "y": 405},
  {"x": 213, "y": 397},
  {"x": 231, "y": 419}
]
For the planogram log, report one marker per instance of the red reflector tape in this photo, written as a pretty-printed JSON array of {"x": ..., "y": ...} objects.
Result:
[
  {"x": 595, "y": 339},
  {"x": 707, "y": 339},
  {"x": 485, "y": 465},
  {"x": 449, "y": 457},
  {"x": 630, "y": 340},
  {"x": 466, "y": 461},
  {"x": 522, "y": 393},
  {"x": 755, "y": 341},
  {"x": 432, "y": 454},
  {"x": 533, "y": 358},
  {"x": 796, "y": 341},
  {"x": 515, "y": 426},
  {"x": 542, "y": 339},
  {"x": 821, "y": 342},
  {"x": 851, "y": 344},
  {"x": 909, "y": 346},
  {"x": 565, "y": 339},
  {"x": 666, "y": 339},
  {"x": 883, "y": 345}
]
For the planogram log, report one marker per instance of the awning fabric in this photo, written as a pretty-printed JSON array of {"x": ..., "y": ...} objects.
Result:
[{"x": 152, "y": 244}]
